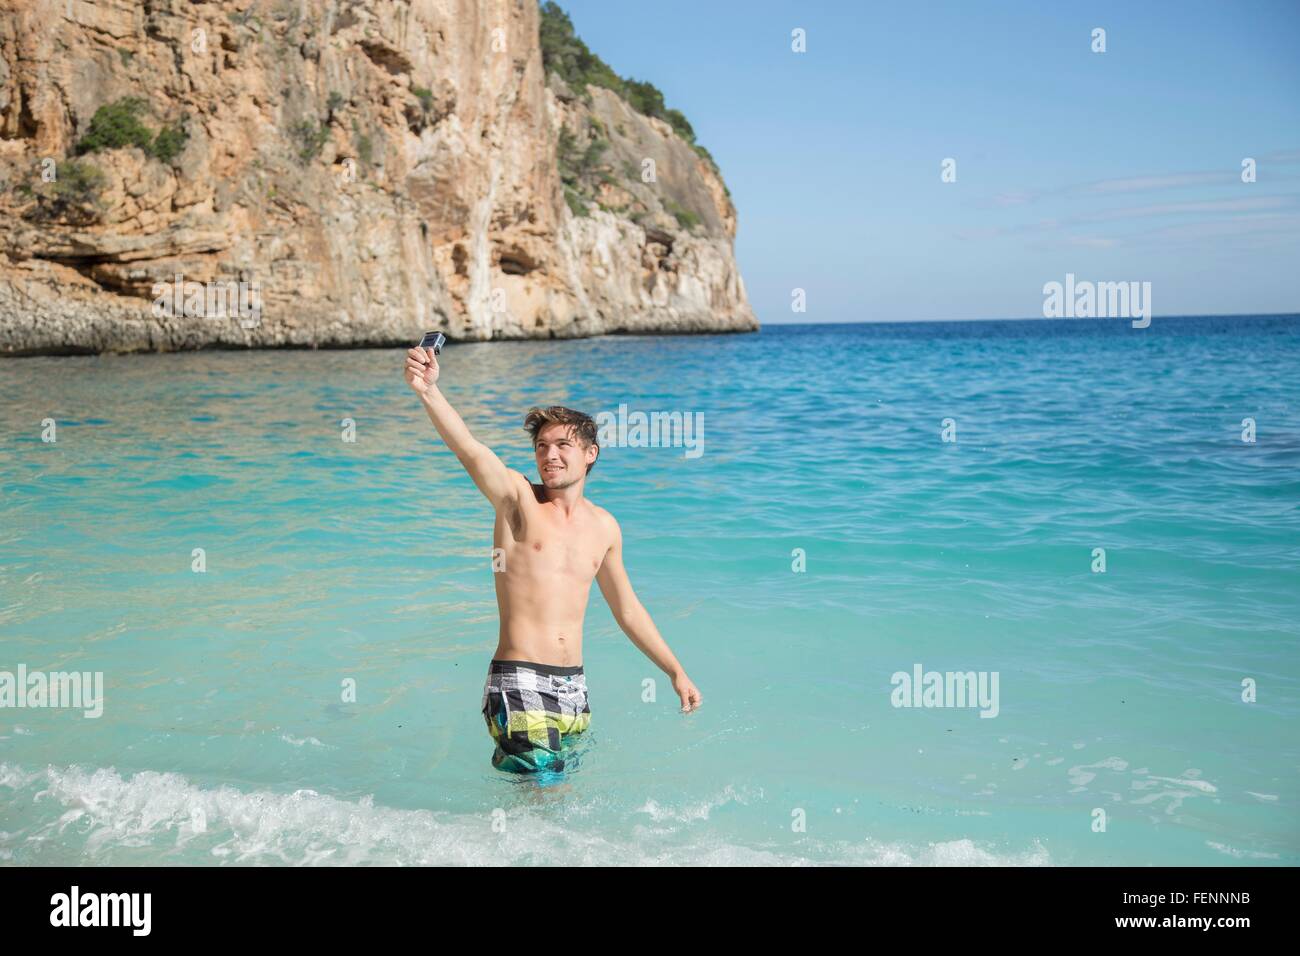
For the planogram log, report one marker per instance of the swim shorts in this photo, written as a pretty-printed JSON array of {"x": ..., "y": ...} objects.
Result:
[{"x": 532, "y": 712}]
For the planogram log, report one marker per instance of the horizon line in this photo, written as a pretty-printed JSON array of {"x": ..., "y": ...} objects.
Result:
[{"x": 1090, "y": 318}]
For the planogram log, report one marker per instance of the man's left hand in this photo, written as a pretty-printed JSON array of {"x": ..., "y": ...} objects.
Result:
[{"x": 688, "y": 692}]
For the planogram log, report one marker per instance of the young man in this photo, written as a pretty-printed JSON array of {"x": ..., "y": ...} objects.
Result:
[{"x": 548, "y": 543}]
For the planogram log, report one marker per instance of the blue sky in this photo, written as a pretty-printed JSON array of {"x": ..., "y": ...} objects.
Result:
[{"x": 1123, "y": 165}]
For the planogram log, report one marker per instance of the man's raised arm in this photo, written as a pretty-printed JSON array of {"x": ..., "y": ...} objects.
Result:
[{"x": 497, "y": 482}]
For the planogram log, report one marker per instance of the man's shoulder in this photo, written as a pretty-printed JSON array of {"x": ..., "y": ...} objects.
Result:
[
  {"x": 523, "y": 482},
  {"x": 513, "y": 507},
  {"x": 603, "y": 516}
]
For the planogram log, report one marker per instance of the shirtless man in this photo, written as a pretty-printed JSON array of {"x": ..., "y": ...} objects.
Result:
[{"x": 552, "y": 541}]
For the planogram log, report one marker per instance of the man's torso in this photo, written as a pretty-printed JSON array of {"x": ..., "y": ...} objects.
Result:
[{"x": 543, "y": 576}]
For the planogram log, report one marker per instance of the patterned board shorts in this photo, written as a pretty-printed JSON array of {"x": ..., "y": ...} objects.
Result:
[{"x": 532, "y": 712}]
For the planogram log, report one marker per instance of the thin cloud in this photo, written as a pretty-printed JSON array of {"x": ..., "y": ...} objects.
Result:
[
  {"x": 1132, "y": 213},
  {"x": 1091, "y": 242},
  {"x": 1180, "y": 208},
  {"x": 1260, "y": 226},
  {"x": 1106, "y": 187},
  {"x": 1227, "y": 176},
  {"x": 1286, "y": 157},
  {"x": 1015, "y": 199},
  {"x": 1241, "y": 229}
]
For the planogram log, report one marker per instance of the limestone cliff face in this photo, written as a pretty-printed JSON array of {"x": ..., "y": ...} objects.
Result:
[{"x": 371, "y": 168}]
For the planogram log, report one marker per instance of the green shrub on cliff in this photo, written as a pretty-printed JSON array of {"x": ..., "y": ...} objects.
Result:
[
  {"x": 591, "y": 155},
  {"x": 169, "y": 142},
  {"x": 117, "y": 125},
  {"x": 685, "y": 218},
  {"x": 424, "y": 96},
  {"x": 564, "y": 53},
  {"x": 310, "y": 137},
  {"x": 577, "y": 205},
  {"x": 364, "y": 145},
  {"x": 72, "y": 196},
  {"x": 580, "y": 169},
  {"x": 568, "y": 159}
]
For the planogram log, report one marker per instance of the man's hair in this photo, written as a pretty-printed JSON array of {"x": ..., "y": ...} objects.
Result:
[{"x": 584, "y": 426}]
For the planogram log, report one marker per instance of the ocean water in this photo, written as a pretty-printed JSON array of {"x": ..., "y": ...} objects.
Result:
[{"x": 825, "y": 538}]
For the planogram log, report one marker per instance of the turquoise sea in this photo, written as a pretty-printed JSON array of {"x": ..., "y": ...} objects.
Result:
[{"x": 225, "y": 737}]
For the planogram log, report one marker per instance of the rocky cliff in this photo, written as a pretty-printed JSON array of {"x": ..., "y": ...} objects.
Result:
[{"x": 349, "y": 172}]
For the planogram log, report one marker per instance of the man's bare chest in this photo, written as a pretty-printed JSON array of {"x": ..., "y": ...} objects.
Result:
[{"x": 541, "y": 545}]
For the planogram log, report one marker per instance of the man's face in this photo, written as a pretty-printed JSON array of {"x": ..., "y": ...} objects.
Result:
[{"x": 561, "y": 459}]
